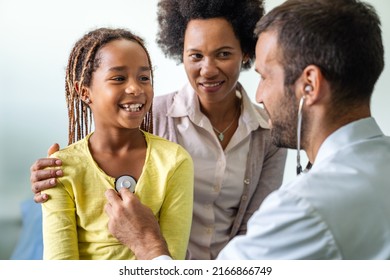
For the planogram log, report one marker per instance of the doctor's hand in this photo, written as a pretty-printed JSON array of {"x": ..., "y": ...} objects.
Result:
[
  {"x": 134, "y": 225},
  {"x": 43, "y": 179}
]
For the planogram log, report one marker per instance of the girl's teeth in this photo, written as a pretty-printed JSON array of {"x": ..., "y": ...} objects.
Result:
[{"x": 132, "y": 107}]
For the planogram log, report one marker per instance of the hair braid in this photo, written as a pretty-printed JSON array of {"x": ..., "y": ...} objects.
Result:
[
  {"x": 147, "y": 123},
  {"x": 78, "y": 112}
]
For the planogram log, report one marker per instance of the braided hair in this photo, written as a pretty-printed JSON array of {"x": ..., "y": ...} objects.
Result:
[{"x": 82, "y": 63}]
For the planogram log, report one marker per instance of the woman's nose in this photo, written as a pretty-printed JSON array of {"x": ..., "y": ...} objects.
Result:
[{"x": 209, "y": 68}]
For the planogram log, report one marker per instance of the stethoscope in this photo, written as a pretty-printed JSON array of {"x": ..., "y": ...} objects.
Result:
[
  {"x": 299, "y": 128},
  {"x": 125, "y": 181}
]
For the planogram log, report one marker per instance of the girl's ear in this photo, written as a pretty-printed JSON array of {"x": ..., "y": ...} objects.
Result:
[{"x": 83, "y": 93}]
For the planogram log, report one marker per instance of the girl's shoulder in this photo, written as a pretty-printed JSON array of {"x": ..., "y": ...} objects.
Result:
[
  {"x": 73, "y": 151},
  {"x": 163, "y": 146}
]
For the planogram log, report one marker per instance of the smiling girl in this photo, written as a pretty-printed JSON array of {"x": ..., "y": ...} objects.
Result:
[{"x": 109, "y": 81}]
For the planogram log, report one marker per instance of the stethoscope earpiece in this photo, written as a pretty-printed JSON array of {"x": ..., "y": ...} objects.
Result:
[
  {"x": 125, "y": 181},
  {"x": 308, "y": 88}
]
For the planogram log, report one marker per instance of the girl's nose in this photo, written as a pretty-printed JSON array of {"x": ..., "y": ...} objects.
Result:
[{"x": 133, "y": 88}]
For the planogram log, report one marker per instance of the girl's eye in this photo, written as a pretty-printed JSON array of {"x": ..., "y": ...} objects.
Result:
[
  {"x": 118, "y": 79},
  {"x": 144, "y": 78}
]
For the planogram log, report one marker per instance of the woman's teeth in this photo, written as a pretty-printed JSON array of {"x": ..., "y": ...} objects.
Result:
[{"x": 211, "y": 84}]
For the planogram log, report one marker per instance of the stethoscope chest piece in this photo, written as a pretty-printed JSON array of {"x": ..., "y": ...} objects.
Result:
[{"x": 125, "y": 181}]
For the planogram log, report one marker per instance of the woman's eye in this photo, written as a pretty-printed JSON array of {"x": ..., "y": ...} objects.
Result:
[
  {"x": 224, "y": 54},
  {"x": 196, "y": 56}
]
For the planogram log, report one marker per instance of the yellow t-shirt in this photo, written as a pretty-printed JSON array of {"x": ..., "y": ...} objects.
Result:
[{"x": 74, "y": 220}]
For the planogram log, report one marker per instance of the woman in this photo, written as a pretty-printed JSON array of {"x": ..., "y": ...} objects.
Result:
[{"x": 212, "y": 117}]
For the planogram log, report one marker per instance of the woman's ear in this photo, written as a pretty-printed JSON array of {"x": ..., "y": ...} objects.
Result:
[{"x": 245, "y": 59}]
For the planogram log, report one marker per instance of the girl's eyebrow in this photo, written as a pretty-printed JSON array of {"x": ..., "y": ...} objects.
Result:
[
  {"x": 146, "y": 68},
  {"x": 117, "y": 69},
  {"x": 123, "y": 68}
]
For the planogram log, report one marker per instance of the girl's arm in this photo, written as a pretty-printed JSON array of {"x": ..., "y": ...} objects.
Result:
[
  {"x": 59, "y": 224},
  {"x": 176, "y": 212}
]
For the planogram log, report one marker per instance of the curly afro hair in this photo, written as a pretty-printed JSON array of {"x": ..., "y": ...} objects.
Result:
[{"x": 174, "y": 15}]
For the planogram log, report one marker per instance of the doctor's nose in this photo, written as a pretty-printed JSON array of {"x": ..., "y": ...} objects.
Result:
[{"x": 259, "y": 94}]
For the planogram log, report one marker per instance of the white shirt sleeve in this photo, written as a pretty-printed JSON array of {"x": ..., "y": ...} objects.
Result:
[
  {"x": 162, "y": 258},
  {"x": 285, "y": 227}
]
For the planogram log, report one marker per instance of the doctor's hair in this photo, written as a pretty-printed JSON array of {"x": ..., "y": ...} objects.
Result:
[
  {"x": 341, "y": 37},
  {"x": 173, "y": 17},
  {"x": 82, "y": 63}
]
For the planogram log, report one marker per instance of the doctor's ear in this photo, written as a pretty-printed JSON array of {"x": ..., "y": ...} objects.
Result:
[{"x": 310, "y": 83}]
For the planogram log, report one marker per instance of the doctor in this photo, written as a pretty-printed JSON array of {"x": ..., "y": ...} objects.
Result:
[{"x": 318, "y": 62}]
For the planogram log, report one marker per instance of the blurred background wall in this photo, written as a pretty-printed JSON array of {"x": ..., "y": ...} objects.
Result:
[{"x": 36, "y": 38}]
